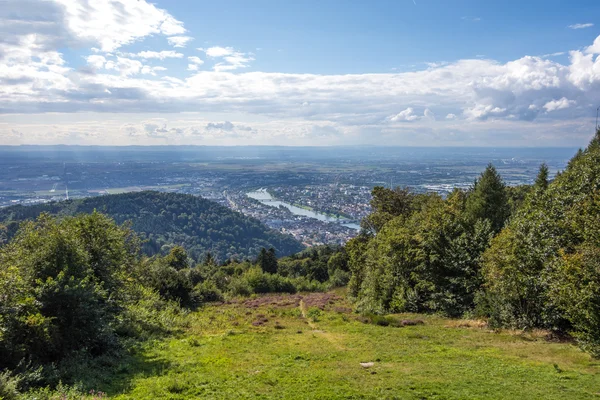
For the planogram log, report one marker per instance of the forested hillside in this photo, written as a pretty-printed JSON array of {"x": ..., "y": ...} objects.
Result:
[
  {"x": 168, "y": 219},
  {"x": 521, "y": 258}
]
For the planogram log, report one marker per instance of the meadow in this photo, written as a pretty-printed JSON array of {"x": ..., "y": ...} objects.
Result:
[{"x": 314, "y": 347}]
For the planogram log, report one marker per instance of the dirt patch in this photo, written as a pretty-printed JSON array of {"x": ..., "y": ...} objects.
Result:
[
  {"x": 558, "y": 337},
  {"x": 322, "y": 301},
  {"x": 467, "y": 323},
  {"x": 277, "y": 301},
  {"x": 412, "y": 322}
]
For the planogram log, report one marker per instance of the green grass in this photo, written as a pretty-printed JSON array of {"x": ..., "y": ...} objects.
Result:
[{"x": 300, "y": 353}]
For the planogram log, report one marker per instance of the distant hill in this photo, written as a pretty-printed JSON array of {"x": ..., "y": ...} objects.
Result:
[{"x": 168, "y": 219}]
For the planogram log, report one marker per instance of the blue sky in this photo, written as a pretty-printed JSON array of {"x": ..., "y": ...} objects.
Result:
[
  {"x": 403, "y": 72},
  {"x": 329, "y": 36}
]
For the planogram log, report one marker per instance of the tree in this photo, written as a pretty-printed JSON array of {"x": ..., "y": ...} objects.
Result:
[
  {"x": 267, "y": 260},
  {"x": 488, "y": 199},
  {"x": 177, "y": 258},
  {"x": 387, "y": 204},
  {"x": 63, "y": 285},
  {"x": 3, "y": 234},
  {"x": 541, "y": 181}
]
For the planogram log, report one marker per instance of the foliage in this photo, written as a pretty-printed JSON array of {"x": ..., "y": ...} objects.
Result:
[
  {"x": 428, "y": 260},
  {"x": 9, "y": 386},
  {"x": 387, "y": 204},
  {"x": 267, "y": 260},
  {"x": 166, "y": 220},
  {"x": 575, "y": 288},
  {"x": 62, "y": 284},
  {"x": 488, "y": 200},
  {"x": 542, "y": 270}
]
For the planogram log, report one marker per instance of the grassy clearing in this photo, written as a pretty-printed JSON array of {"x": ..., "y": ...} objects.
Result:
[{"x": 286, "y": 347}]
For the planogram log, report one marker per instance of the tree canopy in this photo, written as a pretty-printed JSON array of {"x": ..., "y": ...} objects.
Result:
[{"x": 166, "y": 220}]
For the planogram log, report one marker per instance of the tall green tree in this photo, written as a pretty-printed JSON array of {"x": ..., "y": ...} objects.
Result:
[
  {"x": 267, "y": 260},
  {"x": 542, "y": 179},
  {"x": 488, "y": 199},
  {"x": 387, "y": 204}
]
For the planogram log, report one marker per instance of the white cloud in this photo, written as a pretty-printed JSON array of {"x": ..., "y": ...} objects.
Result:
[
  {"x": 125, "y": 66},
  {"x": 594, "y": 48},
  {"x": 559, "y": 104},
  {"x": 231, "y": 58},
  {"x": 217, "y": 51},
  {"x": 195, "y": 60},
  {"x": 225, "y": 126},
  {"x": 112, "y": 24},
  {"x": 406, "y": 115},
  {"x": 428, "y": 114},
  {"x": 486, "y": 95},
  {"x": 161, "y": 55},
  {"x": 580, "y": 26},
  {"x": 179, "y": 41},
  {"x": 558, "y": 53},
  {"x": 96, "y": 61},
  {"x": 147, "y": 70},
  {"x": 195, "y": 63}
]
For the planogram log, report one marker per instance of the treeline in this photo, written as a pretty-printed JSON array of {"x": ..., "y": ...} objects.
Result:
[
  {"x": 526, "y": 257},
  {"x": 165, "y": 220},
  {"x": 74, "y": 290}
]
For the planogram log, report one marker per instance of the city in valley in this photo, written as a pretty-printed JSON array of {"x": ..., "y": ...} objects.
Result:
[{"x": 318, "y": 195}]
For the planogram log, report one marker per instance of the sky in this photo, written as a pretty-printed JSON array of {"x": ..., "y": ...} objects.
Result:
[{"x": 310, "y": 72}]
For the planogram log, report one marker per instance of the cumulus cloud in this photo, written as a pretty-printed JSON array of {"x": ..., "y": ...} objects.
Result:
[
  {"x": 195, "y": 60},
  {"x": 147, "y": 70},
  {"x": 179, "y": 41},
  {"x": 125, "y": 66},
  {"x": 580, "y": 26},
  {"x": 35, "y": 77},
  {"x": 406, "y": 115},
  {"x": 96, "y": 61},
  {"x": 594, "y": 48},
  {"x": 225, "y": 126},
  {"x": 560, "y": 104},
  {"x": 160, "y": 55},
  {"x": 112, "y": 24},
  {"x": 231, "y": 58}
]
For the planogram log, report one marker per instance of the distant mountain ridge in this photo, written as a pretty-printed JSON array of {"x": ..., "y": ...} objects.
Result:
[{"x": 168, "y": 219}]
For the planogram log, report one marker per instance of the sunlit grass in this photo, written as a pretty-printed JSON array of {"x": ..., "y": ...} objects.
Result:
[{"x": 289, "y": 356}]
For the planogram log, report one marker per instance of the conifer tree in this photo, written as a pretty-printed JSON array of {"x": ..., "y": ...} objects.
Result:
[
  {"x": 488, "y": 200},
  {"x": 541, "y": 181}
]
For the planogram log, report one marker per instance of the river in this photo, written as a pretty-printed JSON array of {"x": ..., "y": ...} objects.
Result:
[{"x": 264, "y": 197}]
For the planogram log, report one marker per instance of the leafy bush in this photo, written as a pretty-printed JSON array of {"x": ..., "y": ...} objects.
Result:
[
  {"x": 9, "y": 386},
  {"x": 207, "y": 291},
  {"x": 575, "y": 288},
  {"x": 62, "y": 284}
]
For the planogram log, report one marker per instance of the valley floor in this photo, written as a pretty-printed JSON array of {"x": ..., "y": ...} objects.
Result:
[{"x": 286, "y": 347}]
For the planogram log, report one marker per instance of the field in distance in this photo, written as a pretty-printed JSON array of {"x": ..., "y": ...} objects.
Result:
[{"x": 313, "y": 347}]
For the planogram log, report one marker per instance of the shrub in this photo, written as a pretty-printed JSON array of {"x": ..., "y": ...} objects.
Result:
[
  {"x": 207, "y": 291},
  {"x": 576, "y": 290},
  {"x": 62, "y": 285},
  {"x": 9, "y": 386},
  {"x": 339, "y": 278}
]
